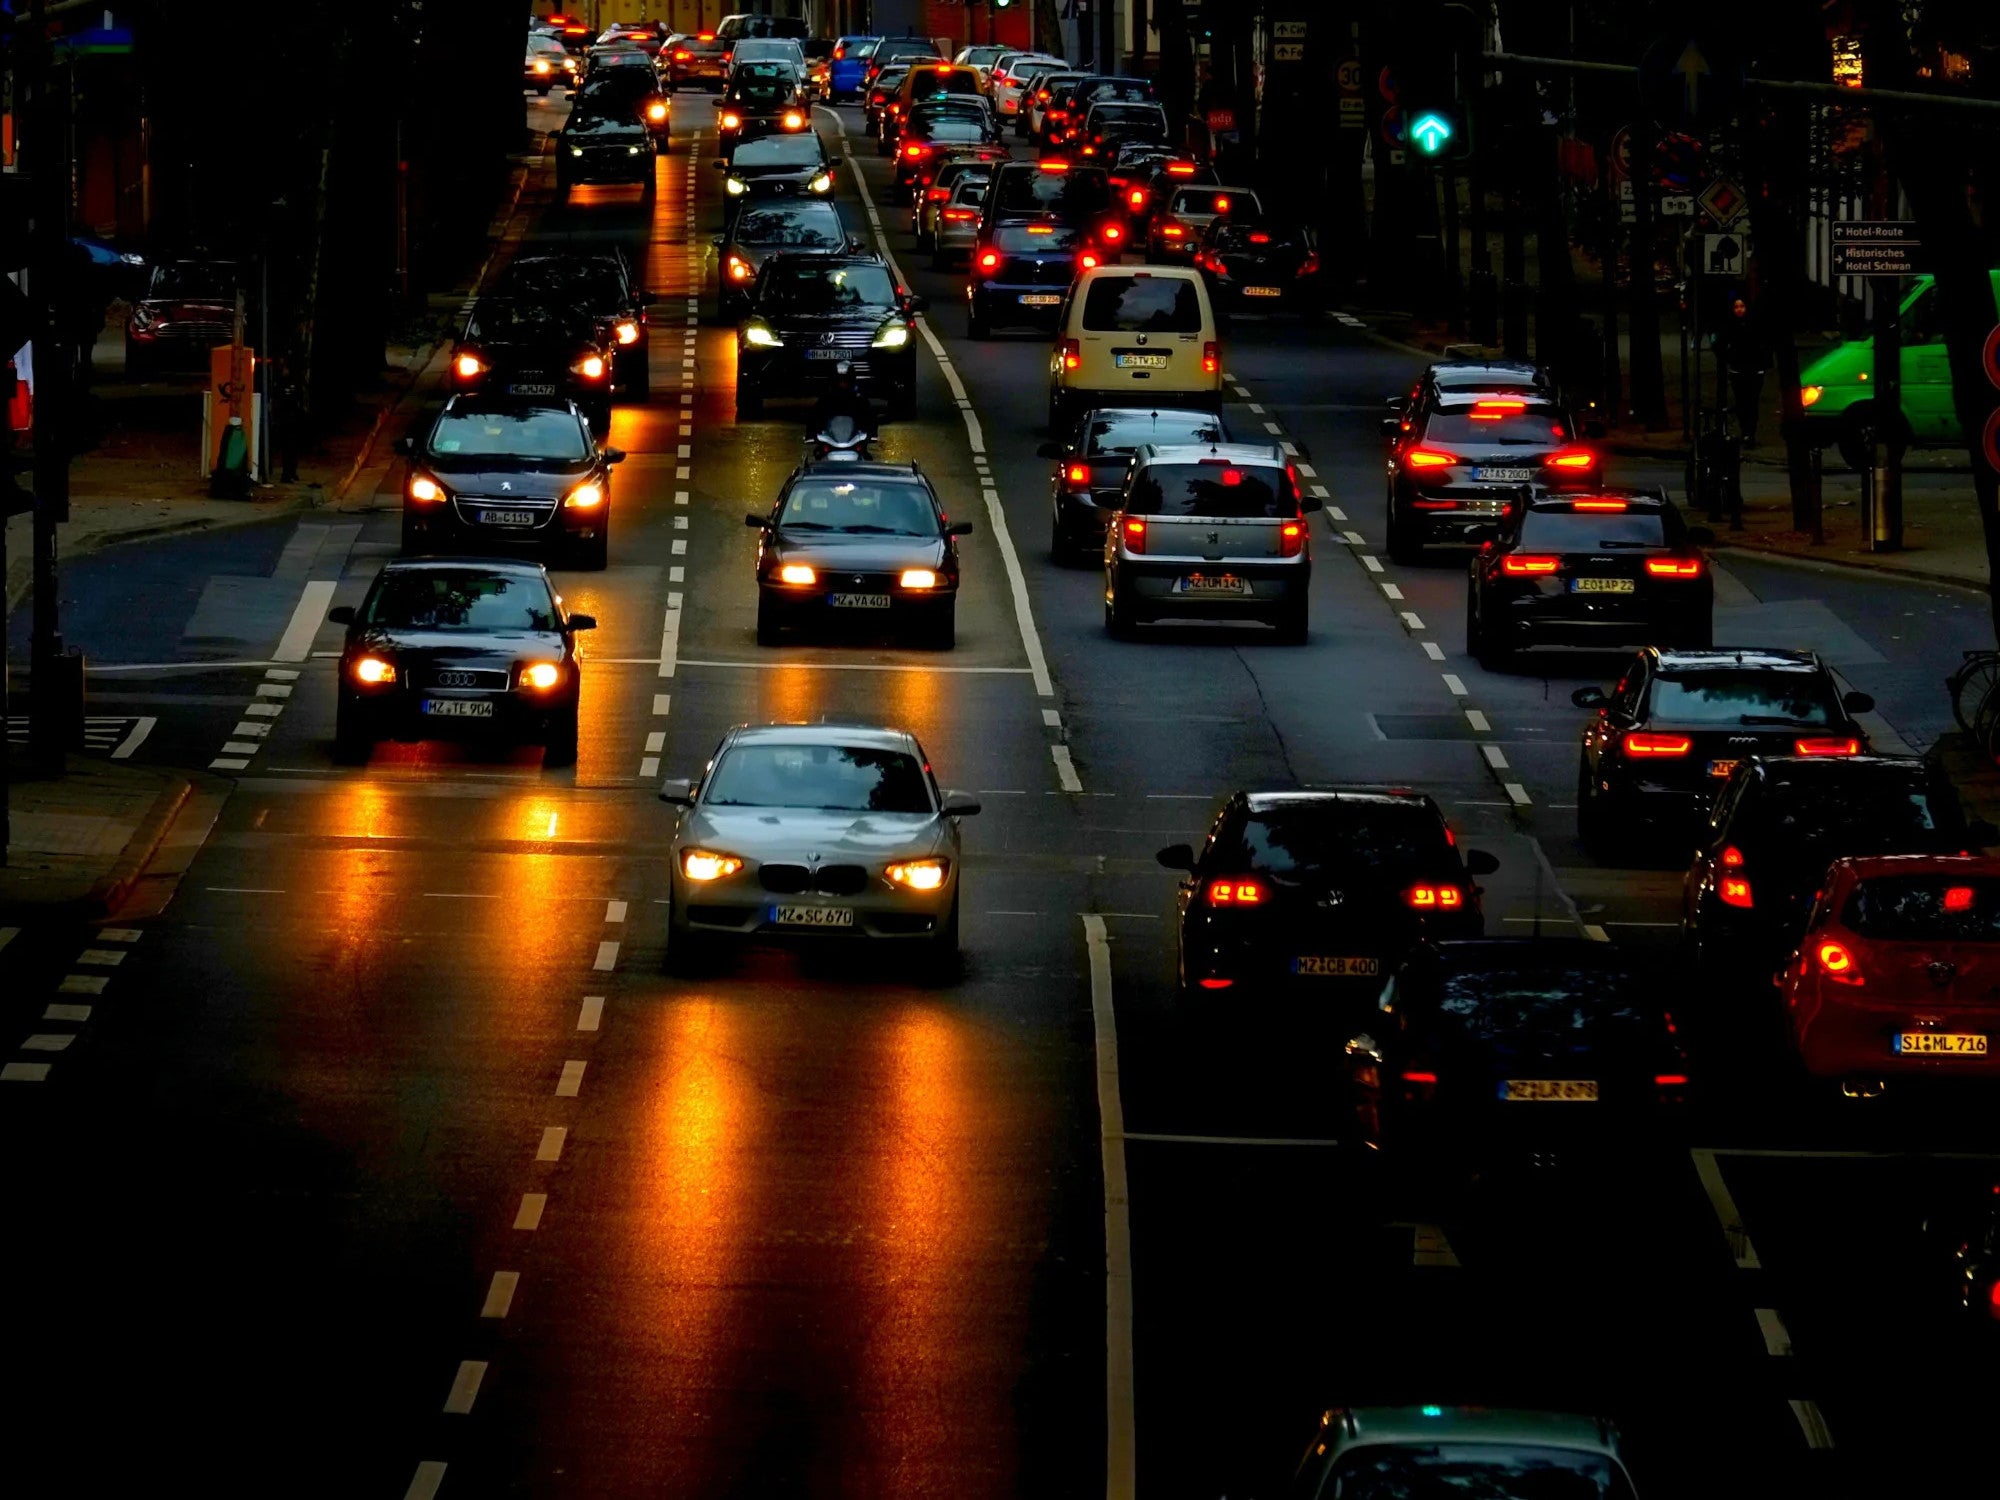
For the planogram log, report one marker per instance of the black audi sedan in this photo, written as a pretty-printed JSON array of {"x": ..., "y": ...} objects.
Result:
[
  {"x": 535, "y": 349},
  {"x": 602, "y": 282},
  {"x": 1259, "y": 267},
  {"x": 1610, "y": 569},
  {"x": 455, "y": 648},
  {"x": 1092, "y": 462},
  {"x": 859, "y": 543},
  {"x": 814, "y": 313},
  {"x": 610, "y": 147},
  {"x": 1669, "y": 736},
  {"x": 509, "y": 474},
  {"x": 1320, "y": 893},
  {"x": 777, "y": 166}
]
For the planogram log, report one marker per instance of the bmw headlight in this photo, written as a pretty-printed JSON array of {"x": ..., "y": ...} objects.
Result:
[
  {"x": 892, "y": 336},
  {"x": 822, "y": 183},
  {"x": 759, "y": 337},
  {"x": 736, "y": 187},
  {"x": 576, "y": 151}
]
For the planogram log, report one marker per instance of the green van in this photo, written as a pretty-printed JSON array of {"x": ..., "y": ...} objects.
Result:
[{"x": 1840, "y": 411}]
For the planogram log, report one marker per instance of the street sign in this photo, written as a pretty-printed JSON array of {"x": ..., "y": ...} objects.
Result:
[
  {"x": 1723, "y": 201},
  {"x": 1876, "y": 247},
  {"x": 1676, "y": 206},
  {"x": 1392, "y": 125},
  {"x": 1689, "y": 81},
  {"x": 1348, "y": 76},
  {"x": 1723, "y": 254},
  {"x": 1353, "y": 112},
  {"x": 1989, "y": 358},
  {"x": 1989, "y": 440},
  {"x": 1221, "y": 119},
  {"x": 1621, "y": 153},
  {"x": 1289, "y": 31},
  {"x": 1288, "y": 52}
]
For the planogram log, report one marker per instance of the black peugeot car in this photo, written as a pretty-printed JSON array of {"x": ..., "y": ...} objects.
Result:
[
  {"x": 613, "y": 148},
  {"x": 1609, "y": 569},
  {"x": 858, "y": 543},
  {"x": 600, "y": 281},
  {"x": 814, "y": 313},
  {"x": 455, "y": 648},
  {"x": 536, "y": 350},
  {"x": 1666, "y": 739},
  {"x": 763, "y": 98},
  {"x": 1092, "y": 461},
  {"x": 509, "y": 474},
  {"x": 1321, "y": 891}
]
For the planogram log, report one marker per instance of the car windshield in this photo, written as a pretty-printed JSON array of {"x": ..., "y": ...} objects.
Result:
[
  {"x": 814, "y": 226},
  {"x": 1142, "y": 303},
  {"x": 1487, "y": 1471},
  {"x": 1348, "y": 841},
  {"x": 460, "y": 599},
  {"x": 1587, "y": 531},
  {"x": 1117, "y": 430},
  {"x": 1215, "y": 488},
  {"x": 1026, "y": 190},
  {"x": 1742, "y": 697},
  {"x": 1199, "y": 201},
  {"x": 537, "y": 432},
  {"x": 595, "y": 283},
  {"x": 1525, "y": 427},
  {"x": 528, "y": 322},
  {"x": 826, "y": 289},
  {"x": 185, "y": 278},
  {"x": 780, "y": 151},
  {"x": 1816, "y": 819},
  {"x": 1938, "y": 908},
  {"x": 873, "y": 507},
  {"x": 833, "y": 778},
  {"x": 888, "y": 78},
  {"x": 1103, "y": 89},
  {"x": 1032, "y": 239}
]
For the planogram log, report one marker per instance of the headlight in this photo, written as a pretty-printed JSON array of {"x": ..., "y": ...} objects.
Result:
[
  {"x": 590, "y": 367},
  {"x": 542, "y": 66},
  {"x": 576, "y": 151},
  {"x": 628, "y": 332},
  {"x": 731, "y": 120},
  {"x": 706, "y": 864},
  {"x": 631, "y": 150},
  {"x": 467, "y": 366},
  {"x": 1808, "y": 394},
  {"x": 542, "y": 674},
  {"x": 794, "y": 120},
  {"x": 656, "y": 111},
  {"x": 425, "y": 489},
  {"x": 374, "y": 669},
  {"x": 918, "y": 578},
  {"x": 919, "y": 874},
  {"x": 736, "y": 187},
  {"x": 585, "y": 497},
  {"x": 892, "y": 336},
  {"x": 821, "y": 183},
  {"x": 797, "y": 573},
  {"x": 760, "y": 337}
]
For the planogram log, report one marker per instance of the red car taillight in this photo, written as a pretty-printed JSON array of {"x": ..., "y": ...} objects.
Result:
[
  {"x": 1428, "y": 458},
  {"x": 939, "y": 195},
  {"x": 1825, "y": 745},
  {"x": 1134, "y": 534},
  {"x": 1211, "y": 359},
  {"x": 1072, "y": 354},
  {"x": 1136, "y": 199},
  {"x": 1735, "y": 891},
  {"x": 989, "y": 260},
  {"x": 1642, "y": 744},
  {"x": 1836, "y": 962},
  {"x": 1310, "y": 265},
  {"x": 1525, "y": 564},
  {"x": 1085, "y": 261},
  {"x": 1291, "y": 538},
  {"x": 1078, "y": 474},
  {"x": 1674, "y": 567},
  {"x": 1235, "y": 892},
  {"x": 1572, "y": 461},
  {"x": 1434, "y": 897}
]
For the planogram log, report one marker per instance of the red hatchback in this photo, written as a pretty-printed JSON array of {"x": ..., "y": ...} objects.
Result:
[{"x": 1898, "y": 974}]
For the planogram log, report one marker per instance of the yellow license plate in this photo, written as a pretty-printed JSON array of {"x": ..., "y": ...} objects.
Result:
[
  {"x": 1337, "y": 968},
  {"x": 1722, "y": 768},
  {"x": 1604, "y": 586},
  {"x": 1941, "y": 1044},
  {"x": 1549, "y": 1090},
  {"x": 1263, "y": 291}
]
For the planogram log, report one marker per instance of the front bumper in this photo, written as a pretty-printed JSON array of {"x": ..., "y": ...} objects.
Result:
[
  {"x": 739, "y": 907},
  {"x": 621, "y": 166},
  {"x": 398, "y": 712},
  {"x": 788, "y": 372},
  {"x": 457, "y": 522}
]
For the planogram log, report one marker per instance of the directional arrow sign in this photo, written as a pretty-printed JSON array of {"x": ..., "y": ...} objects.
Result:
[{"x": 1432, "y": 133}]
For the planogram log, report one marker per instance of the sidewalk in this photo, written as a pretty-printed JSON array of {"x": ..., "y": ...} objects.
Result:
[{"x": 79, "y": 841}]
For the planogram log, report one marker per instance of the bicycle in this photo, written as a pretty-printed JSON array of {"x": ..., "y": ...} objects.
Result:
[{"x": 1972, "y": 683}]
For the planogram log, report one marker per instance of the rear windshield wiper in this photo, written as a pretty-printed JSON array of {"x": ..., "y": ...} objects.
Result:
[
  {"x": 1612, "y": 546},
  {"x": 1780, "y": 719}
]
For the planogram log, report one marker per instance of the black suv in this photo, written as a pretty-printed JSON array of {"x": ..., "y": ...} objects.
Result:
[
  {"x": 600, "y": 281},
  {"x": 814, "y": 313}
]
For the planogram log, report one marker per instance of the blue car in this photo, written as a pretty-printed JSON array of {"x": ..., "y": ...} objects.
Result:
[{"x": 850, "y": 65}]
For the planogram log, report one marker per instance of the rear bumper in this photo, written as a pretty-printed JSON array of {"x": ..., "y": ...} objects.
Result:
[
  {"x": 1138, "y": 392},
  {"x": 1000, "y": 301},
  {"x": 399, "y": 715},
  {"x": 1840, "y": 1043},
  {"x": 1271, "y": 585},
  {"x": 1582, "y": 620}
]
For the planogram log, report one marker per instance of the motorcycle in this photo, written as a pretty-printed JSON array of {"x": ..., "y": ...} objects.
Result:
[{"x": 841, "y": 441}]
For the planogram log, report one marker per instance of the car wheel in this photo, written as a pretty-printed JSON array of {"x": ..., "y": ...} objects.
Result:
[
  {"x": 942, "y": 962},
  {"x": 593, "y": 555},
  {"x": 1119, "y": 617},
  {"x": 770, "y": 623},
  {"x": 1292, "y": 621},
  {"x": 940, "y": 631},
  {"x": 351, "y": 744},
  {"x": 561, "y": 747},
  {"x": 642, "y": 378},
  {"x": 543, "y": 90},
  {"x": 413, "y": 539},
  {"x": 749, "y": 401},
  {"x": 1061, "y": 547},
  {"x": 1493, "y": 653}
]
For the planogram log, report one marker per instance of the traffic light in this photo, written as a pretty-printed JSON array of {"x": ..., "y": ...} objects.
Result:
[
  {"x": 1432, "y": 133},
  {"x": 1002, "y": 4}
]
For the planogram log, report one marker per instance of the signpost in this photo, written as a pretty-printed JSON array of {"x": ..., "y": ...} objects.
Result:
[
  {"x": 1723, "y": 201},
  {"x": 1876, "y": 247}
]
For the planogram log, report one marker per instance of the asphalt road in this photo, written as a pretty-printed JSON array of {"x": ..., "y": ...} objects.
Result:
[{"x": 387, "y": 1162}]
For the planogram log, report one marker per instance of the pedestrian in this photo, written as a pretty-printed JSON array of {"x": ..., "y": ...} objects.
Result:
[{"x": 1746, "y": 355}]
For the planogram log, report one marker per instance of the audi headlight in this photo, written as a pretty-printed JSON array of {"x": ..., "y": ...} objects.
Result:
[
  {"x": 919, "y": 874},
  {"x": 706, "y": 864},
  {"x": 585, "y": 497},
  {"x": 736, "y": 187},
  {"x": 822, "y": 183},
  {"x": 373, "y": 669},
  {"x": 576, "y": 151},
  {"x": 759, "y": 337},
  {"x": 541, "y": 674},
  {"x": 892, "y": 336}
]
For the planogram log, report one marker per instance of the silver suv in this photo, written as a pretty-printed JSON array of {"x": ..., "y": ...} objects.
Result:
[{"x": 1207, "y": 531}]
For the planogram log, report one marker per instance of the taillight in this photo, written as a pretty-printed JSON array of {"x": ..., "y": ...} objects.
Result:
[
  {"x": 1735, "y": 891},
  {"x": 960, "y": 215},
  {"x": 1072, "y": 354},
  {"x": 1174, "y": 232},
  {"x": 1428, "y": 458},
  {"x": 1235, "y": 892},
  {"x": 1836, "y": 962},
  {"x": 1825, "y": 745},
  {"x": 1078, "y": 474},
  {"x": 1670, "y": 1088},
  {"x": 1732, "y": 858},
  {"x": 989, "y": 260},
  {"x": 939, "y": 195},
  {"x": 1211, "y": 359},
  {"x": 1434, "y": 897},
  {"x": 1310, "y": 265},
  {"x": 1136, "y": 198},
  {"x": 1419, "y": 1084},
  {"x": 1134, "y": 534},
  {"x": 1114, "y": 232},
  {"x": 1291, "y": 538},
  {"x": 1642, "y": 744},
  {"x": 913, "y": 151},
  {"x": 1523, "y": 564},
  {"x": 1571, "y": 460},
  {"x": 1086, "y": 261},
  {"x": 1674, "y": 567}
]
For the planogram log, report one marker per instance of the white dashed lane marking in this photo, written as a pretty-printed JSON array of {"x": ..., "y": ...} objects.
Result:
[{"x": 500, "y": 1294}]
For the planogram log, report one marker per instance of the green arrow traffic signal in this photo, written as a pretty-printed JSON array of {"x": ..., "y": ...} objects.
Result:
[{"x": 1432, "y": 133}]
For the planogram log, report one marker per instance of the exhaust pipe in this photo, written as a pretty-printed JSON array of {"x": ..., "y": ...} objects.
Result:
[{"x": 1863, "y": 1088}]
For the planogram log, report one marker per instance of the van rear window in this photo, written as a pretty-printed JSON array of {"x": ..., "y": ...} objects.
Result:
[
  {"x": 1142, "y": 304},
  {"x": 1237, "y": 492}
]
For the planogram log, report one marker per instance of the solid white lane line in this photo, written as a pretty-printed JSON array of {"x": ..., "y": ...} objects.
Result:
[
  {"x": 307, "y": 617},
  {"x": 1495, "y": 756},
  {"x": 74, "y": 1015},
  {"x": 1433, "y": 650},
  {"x": 607, "y": 957},
  {"x": 1120, "y": 1476},
  {"x": 424, "y": 1485},
  {"x": 782, "y": 665},
  {"x": 465, "y": 1387},
  {"x": 137, "y": 737},
  {"x": 1777, "y": 1337},
  {"x": 529, "y": 1215},
  {"x": 614, "y": 911},
  {"x": 591, "y": 1014},
  {"x": 500, "y": 1294},
  {"x": 1812, "y": 1424},
  {"x": 1477, "y": 720},
  {"x": 551, "y": 1146},
  {"x": 1066, "y": 775},
  {"x": 1727, "y": 1215},
  {"x": 570, "y": 1084}
]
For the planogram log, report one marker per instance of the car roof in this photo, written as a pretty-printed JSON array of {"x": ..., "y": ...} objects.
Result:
[
  {"x": 824, "y": 732},
  {"x": 1189, "y": 453},
  {"x": 1676, "y": 660},
  {"x": 1338, "y": 796},
  {"x": 512, "y": 566},
  {"x": 1472, "y": 1424},
  {"x": 841, "y": 467}
]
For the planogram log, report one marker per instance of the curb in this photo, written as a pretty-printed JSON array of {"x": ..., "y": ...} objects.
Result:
[
  {"x": 1846, "y": 565},
  {"x": 115, "y": 884}
]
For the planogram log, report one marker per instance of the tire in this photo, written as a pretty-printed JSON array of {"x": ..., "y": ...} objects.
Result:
[
  {"x": 1061, "y": 548},
  {"x": 413, "y": 541},
  {"x": 1472, "y": 642},
  {"x": 976, "y": 326},
  {"x": 1856, "y": 425},
  {"x": 749, "y": 401},
  {"x": 940, "y": 631},
  {"x": 561, "y": 747},
  {"x": 770, "y": 623},
  {"x": 642, "y": 382},
  {"x": 1486, "y": 648},
  {"x": 594, "y": 555},
  {"x": 1405, "y": 549},
  {"x": 351, "y": 747},
  {"x": 1119, "y": 619},
  {"x": 942, "y": 963},
  {"x": 543, "y": 90}
]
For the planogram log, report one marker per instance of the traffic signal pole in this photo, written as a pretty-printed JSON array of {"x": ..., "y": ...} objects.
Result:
[{"x": 45, "y": 145}]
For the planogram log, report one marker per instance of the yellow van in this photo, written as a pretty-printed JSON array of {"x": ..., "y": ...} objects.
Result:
[{"x": 1134, "y": 336}]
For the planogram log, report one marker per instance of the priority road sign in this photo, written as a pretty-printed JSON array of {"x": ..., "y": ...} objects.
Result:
[{"x": 1723, "y": 201}]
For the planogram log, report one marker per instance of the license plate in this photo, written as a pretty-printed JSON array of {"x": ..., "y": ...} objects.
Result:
[
  {"x": 1210, "y": 583},
  {"x": 459, "y": 708},
  {"x": 1263, "y": 291},
  {"x": 1504, "y": 476},
  {"x": 813, "y": 916},
  {"x": 1044, "y": 299},
  {"x": 828, "y": 353},
  {"x": 1941, "y": 1044},
  {"x": 532, "y": 388},
  {"x": 858, "y": 601},
  {"x": 1603, "y": 586},
  {"x": 506, "y": 518},
  {"x": 1337, "y": 968},
  {"x": 1549, "y": 1090},
  {"x": 1140, "y": 361},
  {"x": 1722, "y": 767}
]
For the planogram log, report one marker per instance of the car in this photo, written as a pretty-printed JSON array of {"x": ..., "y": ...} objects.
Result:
[
  {"x": 1132, "y": 335},
  {"x": 188, "y": 308},
  {"x": 1318, "y": 894},
  {"x": 820, "y": 831},
  {"x": 1062, "y": 125},
  {"x": 927, "y": 80},
  {"x": 1184, "y": 215},
  {"x": 1779, "y": 822},
  {"x": 929, "y": 135},
  {"x": 1606, "y": 568},
  {"x": 778, "y": 166},
  {"x": 814, "y": 314},
  {"x": 1130, "y": 168},
  {"x": 1205, "y": 532},
  {"x": 1465, "y": 463},
  {"x": 1158, "y": 182},
  {"x": 785, "y": 50},
  {"x": 1893, "y": 983},
  {"x": 547, "y": 64},
  {"x": 763, "y": 98},
  {"x": 1475, "y": 1042},
  {"x": 747, "y": 25},
  {"x": 1021, "y": 273},
  {"x": 532, "y": 348},
  {"x": 1259, "y": 268},
  {"x": 819, "y": 67},
  {"x": 876, "y": 97},
  {"x": 1033, "y": 118},
  {"x": 765, "y": 227},
  {"x": 697, "y": 60},
  {"x": 458, "y": 647},
  {"x": 1110, "y": 124},
  {"x": 1460, "y": 377},
  {"x": 1007, "y": 85},
  {"x": 1378, "y": 1452},
  {"x": 1091, "y": 462},
  {"x": 957, "y": 220},
  {"x": 610, "y": 148},
  {"x": 849, "y": 66},
  {"x": 602, "y": 282},
  {"x": 980, "y": 58},
  {"x": 509, "y": 473},
  {"x": 628, "y": 93},
  {"x": 862, "y": 543},
  {"x": 603, "y": 61},
  {"x": 647, "y": 36},
  {"x": 898, "y": 51},
  {"x": 1048, "y": 191},
  {"x": 941, "y": 174},
  {"x": 1662, "y": 743}
]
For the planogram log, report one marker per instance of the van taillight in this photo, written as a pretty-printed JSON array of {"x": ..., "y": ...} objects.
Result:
[
  {"x": 1211, "y": 359},
  {"x": 1072, "y": 353}
]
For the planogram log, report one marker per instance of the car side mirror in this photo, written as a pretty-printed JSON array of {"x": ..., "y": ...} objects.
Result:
[
  {"x": 1591, "y": 428},
  {"x": 1479, "y": 862},
  {"x": 755, "y": 521},
  {"x": 678, "y": 790},
  {"x": 717, "y": 243},
  {"x": 1310, "y": 503},
  {"x": 959, "y": 528},
  {"x": 1397, "y": 403},
  {"x": 1702, "y": 536},
  {"x": 918, "y": 304},
  {"x": 583, "y": 622},
  {"x": 614, "y": 455},
  {"x": 1392, "y": 427},
  {"x": 406, "y": 446},
  {"x": 720, "y": 165},
  {"x": 1050, "y": 450},
  {"x": 1589, "y": 697},
  {"x": 1857, "y": 703},
  {"x": 1177, "y": 857},
  {"x": 1982, "y": 833},
  {"x": 960, "y": 805},
  {"x": 341, "y": 614}
]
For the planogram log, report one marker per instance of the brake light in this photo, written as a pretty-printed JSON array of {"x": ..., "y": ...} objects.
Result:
[
  {"x": 1958, "y": 898},
  {"x": 939, "y": 195},
  {"x": 1087, "y": 261},
  {"x": 1222, "y": 203},
  {"x": 656, "y": 111},
  {"x": 959, "y": 215},
  {"x": 1428, "y": 458},
  {"x": 1674, "y": 567},
  {"x": 1055, "y": 166},
  {"x": 1174, "y": 232},
  {"x": 1732, "y": 858},
  {"x": 1137, "y": 198},
  {"x": 1836, "y": 963},
  {"x": 680, "y": 56},
  {"x": 1072, "y": 354},
  {"x": 1211, "y": 359},
  {"x": 1180, "y": 169},
  {"x": 1310, "y": 265},
  {"x": 467, "y": 366},
  {"x": 913, "y": 150},
  {"x": 1113, "y": 232},
  {"x": 1258, "y": 237},
  {"x": 1078, "y": 474},
  {"x": 1135, "y": 534},
  {"x": 1291, "y": 539},
  {"x": 989, "y": 260},
  {"x": 1236, "y": 892},
  {"x": 794, "y": 120},
  {"x": 1424, "y": 1076},
  {"x": 1671, "y": 1087},
  {"x": 1434, "y": 897},
  {"x": 1041, "y": 229},
  {"x": 1521, "y": 564},
  {"x": 1493, "y": 411},
  {"x": 1826, "y": 745},
  {"x": 1808, "y": 394},
  {"x": 1216, "y": 984},
  {"x": 1581, "y": 458},
  {"x": 1641, "y": 744},
  {"x": 1735, "y": 891}
]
